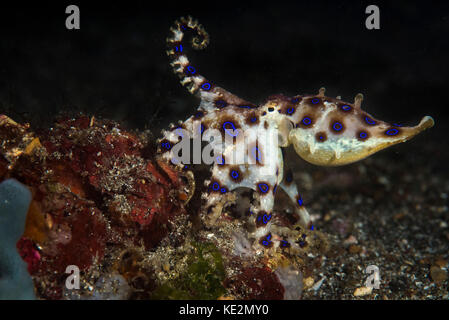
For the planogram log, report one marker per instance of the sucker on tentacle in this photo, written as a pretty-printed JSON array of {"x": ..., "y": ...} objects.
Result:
[{"x": 323, "y": 130}]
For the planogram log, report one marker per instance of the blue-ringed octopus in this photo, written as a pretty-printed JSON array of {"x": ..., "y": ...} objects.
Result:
[{"x": 324, "y": 131}]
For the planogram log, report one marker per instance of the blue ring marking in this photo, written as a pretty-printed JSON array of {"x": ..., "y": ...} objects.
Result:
[
  {"x": 220, "y": 104},
  {"x": 235, "y": 174},
  {"x": 303, "y": 236},
  {"x": 183, "y": 27},
  {"x": 215, "y": 186},
  {"x": 370, "y": 121},
  {"x": 275, "y": 188},
  {"x": 253, "y": 119},
  {"x": 315, "y": 101},
  {"x": 300, "y": 201},
  {"x": 392, "y": 132},
  {"x": 190, "y": 70},
  {"x": 202, "y": 128},
  {"x": 363, "y": 135},
  {"x": 263, "y": 187},
  {"x": 302, "y": 244},
  {"x": 206, "y": 86},
  {"x": 290, "y": 110},
  {"x": 284, "y": 243},
  {"x": 179, "y": 132},
  {"x": 185, "y": 167},
  {"x": 312, "y": 227},
  {"x": 295, "y": 100},
  {"x": 266, "y": 218},
  {"x": 337, "y": 126},
  {"x": 236, "y": 131},
  {"x": 253, "y": 152},
  {"x": 220, "y": 160},
  {"x": 398, "y": 125},
  {"x": 345, "y": 107},
  {"x": 306, "y": 121},
  {"x": 223, "y": 190},
  {"x": 166, "y": 145},
  {"x": 178, "y": 48},
  {"x": 267, "y": 241},
  {"x": 321, "y": 137}
]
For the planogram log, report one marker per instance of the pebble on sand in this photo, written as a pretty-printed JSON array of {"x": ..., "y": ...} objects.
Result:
[
  {"x": 438, "y": 275},
  {"x": 362, "y": 291},
  {"x": 308, "y": 282}
]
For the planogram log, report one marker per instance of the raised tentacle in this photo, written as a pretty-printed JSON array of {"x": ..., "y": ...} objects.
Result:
[{"x": 212, "y": 96}]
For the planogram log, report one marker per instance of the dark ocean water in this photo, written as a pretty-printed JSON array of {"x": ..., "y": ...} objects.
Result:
[{"x": 115, "y": 66}]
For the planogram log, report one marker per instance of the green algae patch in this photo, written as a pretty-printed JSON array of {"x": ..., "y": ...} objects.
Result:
[{"x": 203, "y": 279}]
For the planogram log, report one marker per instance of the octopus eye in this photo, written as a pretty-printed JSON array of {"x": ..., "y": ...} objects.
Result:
[{"x": 392, "y": 132}]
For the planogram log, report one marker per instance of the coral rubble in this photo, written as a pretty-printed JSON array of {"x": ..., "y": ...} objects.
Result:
[{"x": 128, "y": 221}]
